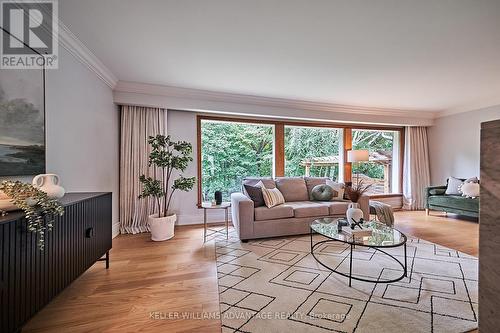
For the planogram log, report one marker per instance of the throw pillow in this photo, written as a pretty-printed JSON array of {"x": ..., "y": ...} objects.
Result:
[
  {"x": 338, "y": 189},
  {"x": 472, "y": 180},
  {"x": 272, "y": 196},
  {"x": 453, "y": 186},
  {"x": 255, "y": 194},
  {"x": 322, "y": 192},
  {"x": 437, "y": 191},
  {"x": 470, "y": 190}
]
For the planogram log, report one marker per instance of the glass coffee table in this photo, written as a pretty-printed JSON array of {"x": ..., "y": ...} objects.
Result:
[{"x": 382, "y": 237}]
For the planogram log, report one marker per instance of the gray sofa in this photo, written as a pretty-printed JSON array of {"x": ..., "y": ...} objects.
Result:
[{"x": 291, "y": 218}]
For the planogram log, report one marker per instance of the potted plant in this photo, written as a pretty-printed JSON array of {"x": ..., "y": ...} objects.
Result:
[
  {"x": 40, "y": 210},
  {"x": 167, "y": 156},
  {"x": 354, "y": 193}
]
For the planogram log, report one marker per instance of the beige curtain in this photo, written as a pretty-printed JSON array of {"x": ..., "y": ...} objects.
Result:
[
  {"x": 137, "y": 124},
  {"x": 416, "y": 174}
]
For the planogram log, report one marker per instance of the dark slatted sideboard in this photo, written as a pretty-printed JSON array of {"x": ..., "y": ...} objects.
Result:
[{"x": 30, "y": 278}]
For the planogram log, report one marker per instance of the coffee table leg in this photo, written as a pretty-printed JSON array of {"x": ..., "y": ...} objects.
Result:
[
  {"x": 406, "y": 269},
  {"x": 311, "y": 233},
  {"x": 227, "y": 224},
  {"x": 350, "y": 267},
  {"x": 204, "y": 225}
]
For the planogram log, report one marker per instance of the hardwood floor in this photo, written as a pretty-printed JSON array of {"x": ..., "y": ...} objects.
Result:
[
  {"x": 461, "y": 235},
  {"x": 148, "y": 281},
  {"x": 145, "y": 279}
]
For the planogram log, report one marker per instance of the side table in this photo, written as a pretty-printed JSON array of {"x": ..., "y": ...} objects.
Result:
[{"x": 208, "y": 205}]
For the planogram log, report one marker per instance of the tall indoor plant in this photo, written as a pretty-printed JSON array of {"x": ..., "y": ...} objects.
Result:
[{"x": 167, "y": 156}]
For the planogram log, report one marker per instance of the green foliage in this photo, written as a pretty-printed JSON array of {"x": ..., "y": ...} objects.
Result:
[
  {"x": 39, "y": 209},
  {"x": 184, "y": 184},
  {"x": 167, "y": 155},
  {"x": 232, "y": 151},
  {"x": 308, "y": 142},
  {"x": 151, "y": 187}
]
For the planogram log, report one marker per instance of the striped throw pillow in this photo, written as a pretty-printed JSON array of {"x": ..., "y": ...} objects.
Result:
[{"x": 272, "y": 196}]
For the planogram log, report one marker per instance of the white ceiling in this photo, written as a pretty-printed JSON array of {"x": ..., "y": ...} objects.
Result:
[{"x": 426, "y": 55}]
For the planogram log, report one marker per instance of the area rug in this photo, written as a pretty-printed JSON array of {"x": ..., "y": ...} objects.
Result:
[{"x": 275, "y": 285}]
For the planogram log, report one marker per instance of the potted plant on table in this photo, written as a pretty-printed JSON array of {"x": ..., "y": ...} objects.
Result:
[
  {"x": 168, "y": 156},
  {"x": 39, "y": 208},
  {"x": 354, "y": 193}
]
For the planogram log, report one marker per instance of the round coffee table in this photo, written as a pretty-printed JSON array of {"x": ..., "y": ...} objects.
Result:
[{"x": 382, "y": 237}]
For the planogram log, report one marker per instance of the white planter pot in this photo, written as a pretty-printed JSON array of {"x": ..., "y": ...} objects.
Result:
[
  {"x": 354, "y": 213},
  {"x": 162, "y": 228}
]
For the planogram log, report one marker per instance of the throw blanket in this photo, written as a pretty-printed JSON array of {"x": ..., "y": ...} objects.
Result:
[{"x": 383, "y": 212}]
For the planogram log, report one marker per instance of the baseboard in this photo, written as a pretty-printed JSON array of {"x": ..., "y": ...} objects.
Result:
[{"x": 115, "y": 229}]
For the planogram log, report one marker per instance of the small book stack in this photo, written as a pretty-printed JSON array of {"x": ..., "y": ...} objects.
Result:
[{"x": 357, "y": 232}]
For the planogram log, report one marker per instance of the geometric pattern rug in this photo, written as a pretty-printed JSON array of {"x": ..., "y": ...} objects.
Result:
[{"x": 275, "y": 285}]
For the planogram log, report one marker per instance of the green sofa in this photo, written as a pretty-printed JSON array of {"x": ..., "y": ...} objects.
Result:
[{"x": 436, "y": 199}]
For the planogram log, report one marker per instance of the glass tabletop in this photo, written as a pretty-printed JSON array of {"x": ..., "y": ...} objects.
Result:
[{"x": 382, "y": 235}]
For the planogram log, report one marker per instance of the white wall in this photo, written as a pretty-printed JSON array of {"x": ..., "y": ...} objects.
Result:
[
  {"x": 454, "y": 143},
  {"x": 181, "y": 125},
  {"x": 82, "y": 130}
]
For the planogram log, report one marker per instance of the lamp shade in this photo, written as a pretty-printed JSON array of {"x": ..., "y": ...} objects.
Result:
[{"x": 357, "y": 156}]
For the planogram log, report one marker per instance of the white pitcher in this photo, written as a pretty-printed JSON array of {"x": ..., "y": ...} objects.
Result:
[{"x": 49, "y": 183}]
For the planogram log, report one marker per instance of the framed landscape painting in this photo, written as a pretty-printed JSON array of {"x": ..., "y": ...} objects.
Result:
[{"x": 22, "y": 122}]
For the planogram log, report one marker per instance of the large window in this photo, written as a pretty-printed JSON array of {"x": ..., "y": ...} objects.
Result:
[
  {"x": 383, "y": 168},
  {"x": 312, "y": 151},
  {"x": 231, "y": 151}
]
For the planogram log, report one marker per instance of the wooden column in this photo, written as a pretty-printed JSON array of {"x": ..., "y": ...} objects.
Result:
[
  {"x": 279, "y": 150},
  {"x": 347, "y": 146}
]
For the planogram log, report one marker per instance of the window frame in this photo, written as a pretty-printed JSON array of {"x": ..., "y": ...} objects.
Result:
[{"x": 279, "y": 143}]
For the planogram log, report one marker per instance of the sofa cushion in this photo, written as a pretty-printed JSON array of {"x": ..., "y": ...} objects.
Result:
[
  {"x": 268, "y": 182},
  {"x": 322, "y": 192},
  {"x": 255, "y": 194},
  {"x": 311, "y": 182},
  {"x": 272, "y": 197},
  {"x": 455, "y": 202},
  {"x": 453, "y": 186},
  {"x": 437, "y": 191},
  {"x": 292, "y": 188},
  {"x": 337, "y": 207},
  {"x": 277, "y": 212},
  {"x": 308, "y": 208},
  {"x": 339, "y": 189}
]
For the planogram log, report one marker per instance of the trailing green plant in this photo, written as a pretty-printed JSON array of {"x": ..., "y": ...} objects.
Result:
[
  {"x": 167, "y": 156},
  {"x": 39, "y": 209}
]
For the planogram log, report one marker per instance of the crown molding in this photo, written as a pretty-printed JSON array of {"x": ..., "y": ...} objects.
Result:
[
  {"x": 82, "y": 53},
  {"x": 177, "y": 92},
  {"x": 492, "y": 102}
]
